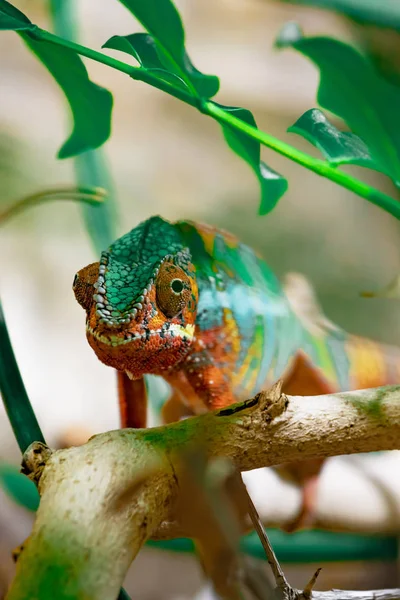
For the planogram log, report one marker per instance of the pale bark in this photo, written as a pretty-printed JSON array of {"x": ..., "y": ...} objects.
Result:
[
  {"x": 389, "y": 594},
  {"x": 393, "y": 594},
  {"x": 101, "y": 501}
]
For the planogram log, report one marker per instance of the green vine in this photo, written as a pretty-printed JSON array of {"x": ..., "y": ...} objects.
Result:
[{"x": 211, "y": 109}]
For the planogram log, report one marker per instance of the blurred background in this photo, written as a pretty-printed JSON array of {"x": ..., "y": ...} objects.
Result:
[{"x": 167, "y": 159}]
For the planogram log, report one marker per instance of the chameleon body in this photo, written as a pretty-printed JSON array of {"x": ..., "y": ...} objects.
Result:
[{"x": 192, "y": 304}]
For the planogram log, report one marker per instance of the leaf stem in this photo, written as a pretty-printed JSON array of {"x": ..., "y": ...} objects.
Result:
[
  {"x": 90, "y": 195},
  {"x": 320, "y": 167},
  {"x": 137, "y": 73},
  {"x": 16, "y": 401},
  {"x": 91, "y": 166},
  {"x": 211, "y": 109}
]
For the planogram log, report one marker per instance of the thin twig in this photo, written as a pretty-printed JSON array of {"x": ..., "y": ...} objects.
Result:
[
  {"x": 280, "y": 579},
  {"x": 310, "y": 585}
]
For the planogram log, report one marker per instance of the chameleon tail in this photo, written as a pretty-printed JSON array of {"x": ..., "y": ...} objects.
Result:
[
  {"x": 344, "y": 362},
  {"x": 360, "y": 364},
  {"x": 332, "y": 361}
]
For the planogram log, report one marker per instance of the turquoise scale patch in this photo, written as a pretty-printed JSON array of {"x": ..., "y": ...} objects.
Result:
[
  {"x": 336, "y": 345},
  {"x": 134, "y": 257}
]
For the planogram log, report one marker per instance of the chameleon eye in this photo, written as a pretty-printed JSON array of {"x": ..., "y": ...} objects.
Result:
[
  {"x": 83, "y": 292},
  {"x": 177, "y": 286},
  {"x": 173, "y": 289},
  {"x": 83, "y": 285}
]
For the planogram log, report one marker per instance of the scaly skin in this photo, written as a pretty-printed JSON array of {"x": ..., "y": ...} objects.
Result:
[{"x": 192, "y": 304}]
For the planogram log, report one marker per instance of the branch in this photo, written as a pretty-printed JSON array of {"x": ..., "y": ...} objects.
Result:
[
  {"x": 101, "y": 501},
  {"x": 386, "y": 594},
  {"x": 393, "y": 594}
]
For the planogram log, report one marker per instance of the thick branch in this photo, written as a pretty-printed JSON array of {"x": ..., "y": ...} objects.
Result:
[
  {"x": 92, "y": 520},
  {"x": 388, "y": 594},
  {"x": 101, "y": 501},
  {"x": 356, "y": 595},
  {"x": 310, "y": 427}
]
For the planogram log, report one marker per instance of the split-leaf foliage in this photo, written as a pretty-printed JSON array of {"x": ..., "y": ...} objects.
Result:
[
  {"x": 91, "y": 167},
  {"x": 349, "y": 87},
  {"x": 90, "y": 104},
  {"x": 381, "y": 13},
  {"x": 16, "y": 485}
]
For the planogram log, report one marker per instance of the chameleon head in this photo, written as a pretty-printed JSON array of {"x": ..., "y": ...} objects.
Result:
[{"x": 141, "y": 300}]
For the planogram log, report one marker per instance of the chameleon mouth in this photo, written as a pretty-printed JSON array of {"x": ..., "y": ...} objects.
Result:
[{"x": 168, "y": 331}]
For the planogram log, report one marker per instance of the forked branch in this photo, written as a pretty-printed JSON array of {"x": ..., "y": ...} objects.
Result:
[{"x": 101, "y": 501}]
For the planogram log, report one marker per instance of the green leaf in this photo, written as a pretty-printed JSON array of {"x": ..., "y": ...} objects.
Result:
[
  {"x": 139, "y": 45},
  {"x": 91, "y": 167},
  {"x": 351, "y": 89},
  {"x": 13, "y": 19},
  {"x": 206, "y": 85},
  {"x": 91, "y": 105},
  {"x": 21, "y": 489},
  {"x": 384, "y": 13},
  {"x": 12, "y": 390},
  {"x": 272, "y": 185},
  {"x": 161, "y": 19},
  {"x": 338, "y": 147},
  {"x": 144, "y": 49},
  {"x": 123, "y": 595}
]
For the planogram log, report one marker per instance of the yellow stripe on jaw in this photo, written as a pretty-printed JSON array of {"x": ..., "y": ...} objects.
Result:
[
  {"x": 113, "y": 340},
  {"x": 108, "y": 340},
  {"x": 180, "y": 330}
]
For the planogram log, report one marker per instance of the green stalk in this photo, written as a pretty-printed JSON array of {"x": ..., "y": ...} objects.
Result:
[
  {"x": 90, "y": 167},
  {"x": 76, "y": 194},
  {"x": 16, "y": 401},
  {"x": 319, "y": 167},
  {"x": 137, "y": 73}
]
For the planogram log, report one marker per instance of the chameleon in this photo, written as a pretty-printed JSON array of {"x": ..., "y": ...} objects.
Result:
[{"x": 193, "y": 304}]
